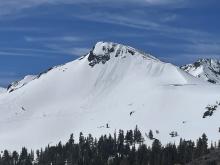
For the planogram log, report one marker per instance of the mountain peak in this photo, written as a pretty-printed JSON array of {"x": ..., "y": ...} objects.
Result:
[
  {"x": 104, "y": 51},
  {"x": 209, "y": 61},
  {"x": 207, "y": 69}
]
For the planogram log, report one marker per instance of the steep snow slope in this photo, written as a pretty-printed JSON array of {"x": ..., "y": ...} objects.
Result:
[
  {"x": 105, "y": 87},
  {"x": 206, "y": 69}
]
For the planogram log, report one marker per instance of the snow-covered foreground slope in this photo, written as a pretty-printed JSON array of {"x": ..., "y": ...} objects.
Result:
[
  {"x": 205, "y": 69},
  {"x": 114, "y": 85}
]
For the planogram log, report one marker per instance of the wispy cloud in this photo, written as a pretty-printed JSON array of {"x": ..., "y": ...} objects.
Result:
[
  {"x": 165, "y": 2},
  {"x": 79, "y": 51},
  {"x": 20, "y": 29},
  {"x": 57, "y": 39},
  {"x": 31, "y": 53},
  {"x": 66, "y": 49},
  {"x": 54, "y": 51},
  {"x": 138, "y": 19},
  {"x": 209, "y": 48},
  {"x": 29, "y": 50},
  {"x": 5, "y": 53},
  {"x": 119, "y": 19},
  {"x": 14, "y": 6},
  {"x": 168, "y": 18},
  {"x": 143, "y": 22},
  {"x": 65, "y": 45},
  {"x": 144, "y": 17}
]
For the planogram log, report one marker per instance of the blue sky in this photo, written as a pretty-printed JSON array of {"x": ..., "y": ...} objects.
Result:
[{"x": 38, "y": 34}]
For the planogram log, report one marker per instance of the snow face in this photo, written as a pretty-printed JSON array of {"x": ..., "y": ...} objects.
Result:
[
  {"x": 18, "y": 84},
  {"x": 124, "y": 91},
  {"x": 205, "y": 69}
]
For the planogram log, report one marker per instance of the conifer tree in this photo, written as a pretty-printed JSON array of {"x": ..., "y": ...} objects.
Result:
[
  {"x": 129, "y": 137},
  {"x": 15, "y": 157},
  {"x": 6, "y": 158},
  {"x": 150, "y": 135},
  {"x": 121, "y": 142},
  {"x": 156, "y": 153},
  {"x": 137, "y": 135}
]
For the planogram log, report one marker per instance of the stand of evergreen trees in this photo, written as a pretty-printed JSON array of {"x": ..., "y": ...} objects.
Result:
[{"x": 123, "y": 148}]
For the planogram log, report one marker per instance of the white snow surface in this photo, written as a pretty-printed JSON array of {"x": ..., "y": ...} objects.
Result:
[
  {"x": 205, "y": 69},
  {"x": 78, "y": 97}
]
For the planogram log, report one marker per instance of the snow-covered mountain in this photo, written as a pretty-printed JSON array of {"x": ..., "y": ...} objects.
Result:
[
  {"x": 113, "y": 85},
  {"x": 206, "y": 69}
]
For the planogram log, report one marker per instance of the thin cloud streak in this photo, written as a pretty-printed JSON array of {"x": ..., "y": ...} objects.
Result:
[
  {"x": 31, "y": 55},
  {"x": 15, "y": 7},
  {"x": 57, "y": 39},
  {"x": 68, "y": 49},
  {"x": 79, "y": 51},
  {"x": 27, "y": 50},
  {"x": 15, "y": 29},
  {"x": 55, "y": 51},
  {"x": 139, "y": 22}
]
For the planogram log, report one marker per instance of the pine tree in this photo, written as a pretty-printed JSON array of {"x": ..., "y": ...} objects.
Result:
[
  {"x": 129, "y": 137},
  {"x": 15, "y": 157},
  {"x": 23, "y": 156},
  {"x": 132, "y": 156},
  {"x": 169, "y": 155},
  {"x": 81, "y": 148},
  {"x": 143, "y": 155},
  {"x": 138, "y": 136},
  {"x": 6, "y": 158},
  {"x": 120, "y": 142},
  {"x": 204, "y": 144},
  {"x": 150, "y": 135},
  {"x": 70, "y": 149},
  {"x": 156, "y": 153}
]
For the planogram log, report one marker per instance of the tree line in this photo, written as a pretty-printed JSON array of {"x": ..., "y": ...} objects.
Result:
[{"x": 121, "y": 148}]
